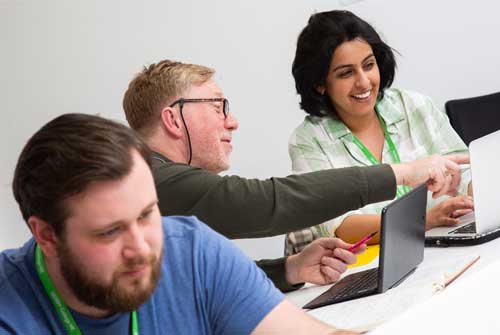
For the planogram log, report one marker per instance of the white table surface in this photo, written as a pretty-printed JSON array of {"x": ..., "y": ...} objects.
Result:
[{"x": 364, "y": 312}]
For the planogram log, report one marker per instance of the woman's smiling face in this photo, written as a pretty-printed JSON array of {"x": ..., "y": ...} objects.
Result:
[{"x": 353, "y": 79}]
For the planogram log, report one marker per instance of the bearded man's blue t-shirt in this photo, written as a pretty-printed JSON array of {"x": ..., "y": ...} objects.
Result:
[{"x": 207, "y": 286}]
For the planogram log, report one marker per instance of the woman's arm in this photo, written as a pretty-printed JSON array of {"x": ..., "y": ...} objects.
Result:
[{"x": 355, "y": 227}]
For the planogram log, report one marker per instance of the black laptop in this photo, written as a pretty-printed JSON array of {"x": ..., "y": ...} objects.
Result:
[{"x": 401, "y": 251}]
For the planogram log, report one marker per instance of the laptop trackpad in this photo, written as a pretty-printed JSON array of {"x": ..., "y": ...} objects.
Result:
[{"x": 467, "y": 218}]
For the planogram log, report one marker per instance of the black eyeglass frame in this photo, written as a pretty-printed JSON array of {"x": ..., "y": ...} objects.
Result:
[
  {"x": 182, "y": 101},
  {"x": 225, "y": 103}
]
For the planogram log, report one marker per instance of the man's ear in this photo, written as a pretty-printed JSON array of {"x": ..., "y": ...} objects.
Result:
[
  {"x": 171, "y": 122},
  {"x": 44, "y": 234}
]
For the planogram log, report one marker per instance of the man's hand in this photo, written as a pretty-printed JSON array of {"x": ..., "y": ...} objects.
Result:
[
  {"x": 446, "y": 212},
  {"x": 442, "y": 173},
  {"x": 321, "y": 262}
]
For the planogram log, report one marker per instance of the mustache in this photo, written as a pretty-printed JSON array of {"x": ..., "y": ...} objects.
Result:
[{"x": 133, "y": 263}]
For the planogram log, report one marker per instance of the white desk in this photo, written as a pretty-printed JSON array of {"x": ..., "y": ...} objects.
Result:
[{"x": 415, "y": 289}]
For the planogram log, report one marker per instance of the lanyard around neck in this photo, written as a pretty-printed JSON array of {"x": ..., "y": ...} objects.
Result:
[
  {"x": 59, "y": 305},
  {"x": 401, "y": 190}
]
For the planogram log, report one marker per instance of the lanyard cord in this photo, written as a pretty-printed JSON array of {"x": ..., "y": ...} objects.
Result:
[
  {"x": 59, "y": 305},
  {"x": 189, "y": 138},
  {"x": 401, "y": 190}
]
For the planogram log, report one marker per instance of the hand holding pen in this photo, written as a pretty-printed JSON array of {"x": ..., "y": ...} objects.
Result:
[
  {"x": 362, "y": 241},
  {"x": 323, "y": 261},
  {"x": 344, "y": 254}
]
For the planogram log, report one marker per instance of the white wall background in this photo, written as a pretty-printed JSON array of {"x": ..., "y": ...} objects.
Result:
[{"x": 60, "y": 56}]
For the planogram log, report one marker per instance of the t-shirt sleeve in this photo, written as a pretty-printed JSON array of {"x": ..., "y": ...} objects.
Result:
[{"x": 239, "y": 294}]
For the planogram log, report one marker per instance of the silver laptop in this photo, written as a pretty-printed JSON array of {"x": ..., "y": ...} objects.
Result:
[{"x": 484, "y": 223}]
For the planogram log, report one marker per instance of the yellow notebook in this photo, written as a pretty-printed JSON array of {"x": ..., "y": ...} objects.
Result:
[{"x": 366, "y": 257}]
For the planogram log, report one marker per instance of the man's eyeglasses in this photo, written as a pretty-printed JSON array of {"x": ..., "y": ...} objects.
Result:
[
  {"x": 225, "y": 103},
  {"x": 182, "y": 101}
]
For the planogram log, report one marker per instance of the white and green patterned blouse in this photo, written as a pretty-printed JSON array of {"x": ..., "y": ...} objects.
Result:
[{"x": 416, "y": 126}]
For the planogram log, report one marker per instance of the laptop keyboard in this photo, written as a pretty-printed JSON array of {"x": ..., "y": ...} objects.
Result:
[
  {"x": 467, "y": 229},
  {"x": 366, "y": 281},
  {"x": 352, "y": 286}
]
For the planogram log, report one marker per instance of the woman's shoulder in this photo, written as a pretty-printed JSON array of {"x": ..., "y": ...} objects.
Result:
[
  {"x": 405, "y": 100},
  {"x": 305, "y": 129},
  {"x": 309, "y": 123},
  {"x": 403, "y": 95},
  {"x": 313, "y": 128}
]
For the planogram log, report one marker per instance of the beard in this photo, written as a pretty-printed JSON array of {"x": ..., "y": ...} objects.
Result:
[
  {"x": 215, "y": 161},
  {"x": 111, "y": 297}
]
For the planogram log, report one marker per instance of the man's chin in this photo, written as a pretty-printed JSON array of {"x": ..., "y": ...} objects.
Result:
[
  {"x": 128, "y": 290},
  {"x": 224, "y": 164},
  {"x": 133, "y": 285},
  {"x": 132, "y": 294}
]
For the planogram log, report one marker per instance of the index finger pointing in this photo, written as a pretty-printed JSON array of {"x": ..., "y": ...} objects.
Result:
[{"x": 459, "y": 158}]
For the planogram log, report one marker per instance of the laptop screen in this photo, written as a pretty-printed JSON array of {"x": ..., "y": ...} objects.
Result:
[
  {"x": 402, "y": 237},
  {"x": 401, "y": 250},
  {"x": 485, "y": 161}
]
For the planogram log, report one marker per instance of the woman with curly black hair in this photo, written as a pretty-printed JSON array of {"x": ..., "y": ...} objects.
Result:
[{"x": 343, "y": 73}]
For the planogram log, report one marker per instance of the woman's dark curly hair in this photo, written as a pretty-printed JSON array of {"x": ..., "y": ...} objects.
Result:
[{"x": 315, "y": 48}]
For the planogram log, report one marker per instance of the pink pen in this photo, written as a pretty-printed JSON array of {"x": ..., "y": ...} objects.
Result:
[{"x": 363, "y": 240}]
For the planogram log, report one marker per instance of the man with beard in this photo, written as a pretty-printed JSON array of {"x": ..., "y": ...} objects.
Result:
[{"x": 103, "y": 261}]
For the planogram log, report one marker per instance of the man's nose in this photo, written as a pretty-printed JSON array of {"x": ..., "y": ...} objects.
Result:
[
  {"x": 231, "y": 123},
  {"x": 136, "y": 244}
]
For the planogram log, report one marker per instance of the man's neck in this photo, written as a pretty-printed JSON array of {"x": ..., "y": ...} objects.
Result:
[
  {"x": 172, "y": 152},
  {"x": 67, "y": 294}
]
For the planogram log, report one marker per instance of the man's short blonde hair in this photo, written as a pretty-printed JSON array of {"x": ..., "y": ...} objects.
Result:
[{"x": 155, "y": 87}]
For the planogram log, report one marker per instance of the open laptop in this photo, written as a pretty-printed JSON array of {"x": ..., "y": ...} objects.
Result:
[
  {"x": 402, "y": 235},
  {"x": 484, "y": 224}
]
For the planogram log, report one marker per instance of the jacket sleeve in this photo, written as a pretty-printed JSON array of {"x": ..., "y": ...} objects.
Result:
[
  {"x": 275, "y": 270},
  {"x": 250, "y": 208}
]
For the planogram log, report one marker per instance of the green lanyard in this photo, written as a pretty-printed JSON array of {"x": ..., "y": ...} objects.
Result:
[
  {"x": 59, "y": 305},
  {"x": 401, "y": 190}
]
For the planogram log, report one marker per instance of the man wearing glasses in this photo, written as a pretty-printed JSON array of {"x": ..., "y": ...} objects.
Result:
[{"x": 184, "y": 118}]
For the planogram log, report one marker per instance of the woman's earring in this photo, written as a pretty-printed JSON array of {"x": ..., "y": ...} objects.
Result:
[{"x": 320, "y": 89}]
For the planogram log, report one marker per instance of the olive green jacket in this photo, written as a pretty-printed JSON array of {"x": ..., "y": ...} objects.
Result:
[{"x": 248, "y": 208}]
